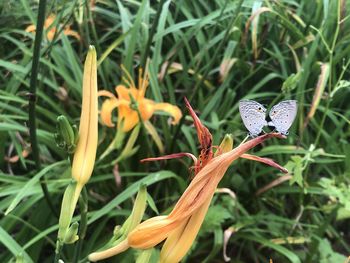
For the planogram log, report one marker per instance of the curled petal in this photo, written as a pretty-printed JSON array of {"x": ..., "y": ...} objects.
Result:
[
  {"x": 227, "y": 191},
  {"x": 105, "y": 93},
  {"x": 267, "y": 161},
  {"x": 106, "y": 111},
  {"x": 124, "y": 93},
  {"x": 170, "y": 156},
  {"x": 227, "y": 234},
  {"x": 204, "y": 136},
  {"x": 30, "y": 28},
  {"x": 274, "y": 183},
  {"x": 69, "y": 32},
  {"x": 174, "y": 111}
]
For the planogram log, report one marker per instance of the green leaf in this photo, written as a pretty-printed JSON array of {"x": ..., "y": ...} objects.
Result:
[
  {"x": 327, "y": 254},
  {"x": 13, "y": 246},
  {"x": 22, "y": 193},
  {"x": 291, "y": 82},
  {"x": 284, "y": 251},
  {"x": 214, "y": 218},
  {"x": 131, "y": 190},
  {"x": 295, "y": 167}
]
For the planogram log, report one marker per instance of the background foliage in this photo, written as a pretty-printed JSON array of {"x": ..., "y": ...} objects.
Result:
[{"x": 225, "y": 51}]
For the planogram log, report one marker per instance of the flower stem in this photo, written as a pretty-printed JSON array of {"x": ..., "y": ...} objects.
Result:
[
  {"x": 58, "y": 251},
  {"x": 32, "y": 100},
  {"x": 83, "y": 206},
  {"x": 133, "y": 101}
]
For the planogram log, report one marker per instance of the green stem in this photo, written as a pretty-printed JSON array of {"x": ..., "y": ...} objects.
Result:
[
  {"x": 83, "y": 206},
  {"x": 32, "y": 100},
  {"x": 58, "y": 251},
  {"x": 144, "y": 130}
]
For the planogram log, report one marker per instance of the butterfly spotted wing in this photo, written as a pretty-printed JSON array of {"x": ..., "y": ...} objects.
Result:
[
  {"x": 253, "y": 115},
  {"x": 282, "y": 115}
]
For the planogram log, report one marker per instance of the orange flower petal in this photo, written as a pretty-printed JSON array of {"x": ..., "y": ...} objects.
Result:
[
  {"x": 170, "y": 156},
  {"x": 267, "y": 161},
  {"x": 146, "y": 108},
  {"x": 51, "y": 33},
  {"x": 151, "y": 232},
  {"x": 129, "y": 116},
  {"x": 106, "y": 111},
  {"x": 16, "y": 158},
  {"x": 204, "y": 135},
  {"x": 180, "y": 240},
  {"x": 30, "y": 28},
  {"x": 105, "y": 93},
  {"x": 96, "y": 256},
  {"x": 123, "y": 92},
  {"x": 68, "y": 32},
  {"x": 174, "y": 111},
  {"x": 49, "y": 20}
]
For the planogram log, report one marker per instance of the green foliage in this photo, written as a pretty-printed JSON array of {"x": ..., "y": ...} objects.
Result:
[
  {"x": 215, "y": 217},
  {"x": 215, "y": 53},
  {"x": 327, "y": 253}
]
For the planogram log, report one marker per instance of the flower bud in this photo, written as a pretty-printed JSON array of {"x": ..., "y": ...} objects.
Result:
[{"x": 67, "y": 135}]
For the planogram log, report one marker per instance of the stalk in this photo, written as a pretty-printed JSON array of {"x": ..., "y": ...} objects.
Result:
[{"x": 32, "y": 100}]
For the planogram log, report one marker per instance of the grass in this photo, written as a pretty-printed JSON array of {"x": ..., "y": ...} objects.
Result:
[{"x": 260, "y": 45}]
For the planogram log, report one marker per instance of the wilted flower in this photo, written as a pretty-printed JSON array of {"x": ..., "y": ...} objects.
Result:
[
  {"x": 51, "y": 28},
  {"x": 181, "y": 226},
  {"x": 132, "y": 104}
]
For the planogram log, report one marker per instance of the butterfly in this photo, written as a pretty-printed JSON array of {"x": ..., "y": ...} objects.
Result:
[{"x": 253, "y": 115}]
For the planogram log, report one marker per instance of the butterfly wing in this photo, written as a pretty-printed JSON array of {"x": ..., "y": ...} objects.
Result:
[
  {"x": 282, "y": 115},
  {"x": 253, "y": 115}
]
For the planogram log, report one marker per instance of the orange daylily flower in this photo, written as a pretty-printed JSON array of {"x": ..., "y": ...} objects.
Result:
[
  {"x": 131, "y": 103},
  {"x": 181, "y": 226},
  {"x": 51, "y": 29}
]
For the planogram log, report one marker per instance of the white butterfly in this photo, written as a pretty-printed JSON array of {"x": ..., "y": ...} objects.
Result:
[{"x": 253, "y": 115}]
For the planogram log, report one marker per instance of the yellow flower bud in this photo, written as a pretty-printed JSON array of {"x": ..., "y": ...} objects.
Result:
[{"x": 85, "y": 154}]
